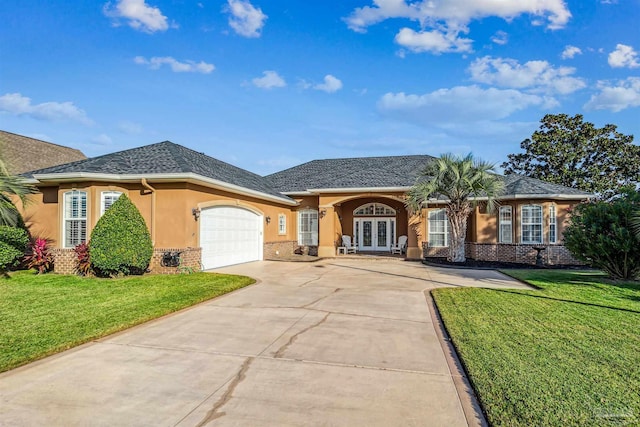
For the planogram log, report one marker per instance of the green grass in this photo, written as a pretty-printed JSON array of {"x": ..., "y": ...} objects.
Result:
[
  {"x": 566, "y": 354},
  {"x": 44, "y": 314}
]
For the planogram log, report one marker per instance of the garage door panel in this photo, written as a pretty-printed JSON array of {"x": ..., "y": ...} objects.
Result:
[{"x": 229, "y": 235}]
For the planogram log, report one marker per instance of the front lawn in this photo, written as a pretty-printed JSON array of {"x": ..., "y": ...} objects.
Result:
[
  {"x": 567, "y": 354},
  {"x": 44, "y": 314}
]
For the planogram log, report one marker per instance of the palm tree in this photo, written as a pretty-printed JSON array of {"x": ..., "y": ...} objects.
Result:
[
  {"x": 462, "y": 181},
  {"x": 12, "y": 186}
]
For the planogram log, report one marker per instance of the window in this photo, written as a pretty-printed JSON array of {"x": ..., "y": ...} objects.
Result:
[
  {"x": 438, "y": 228},
  {"x": 375, "y": 209},
  {"x": 532, "y": 224},
  {"x": 107, "y": 199},
  {"x": 75, "y": 218},
  {"x": 553, "y": 224},
  {"x": 308, "y": 227},
  {"x": 282, "y": 224},
  {"x": 505, "y": 222}
]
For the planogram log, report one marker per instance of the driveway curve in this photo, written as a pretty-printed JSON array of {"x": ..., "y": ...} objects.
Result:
[{"x": 340, "y": 342}]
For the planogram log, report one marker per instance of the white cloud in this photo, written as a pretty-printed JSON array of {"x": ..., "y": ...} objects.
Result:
[
  {"x": 15, "y": 103},
  {"x": 102, "y": 139},
  {"x": 624, "y": 56},
  {"x": 570, "y": 52},
  {"x": 500, "y": 37},
  {"x": 461, "y": 104},
  {"x": 130, "y": 128},
  {"x": 139, "y": 14},
  {"x": 617, "y": 97},
  {"x": 456, "y": 13},
  {"x": 537, "y": 76},
  {"x": 269, "y": 80},
  {"x": 331, "y": 84},
  {"x": 245, "y": 19},
  {"x": 433, "y": 41},
  {"x": 176, "y": 66}
]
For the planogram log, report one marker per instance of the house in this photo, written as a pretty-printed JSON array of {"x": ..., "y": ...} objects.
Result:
[
  {"x": 22, "y": 154},
  {"x": 217, "y": 214}
]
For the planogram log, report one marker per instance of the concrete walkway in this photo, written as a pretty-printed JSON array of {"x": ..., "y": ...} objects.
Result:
[{"x": 333, "y": 343}]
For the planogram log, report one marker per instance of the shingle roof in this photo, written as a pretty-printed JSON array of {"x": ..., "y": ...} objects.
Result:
[
  {"x": 523, "y": 185},
  {"x": 360, "y": 172},
  {"x": 166, "y": 158},
  {"x": 22, "y": 154}
]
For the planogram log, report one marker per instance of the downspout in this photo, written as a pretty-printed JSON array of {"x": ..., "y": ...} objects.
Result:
[{"x": 146, "y": 185}]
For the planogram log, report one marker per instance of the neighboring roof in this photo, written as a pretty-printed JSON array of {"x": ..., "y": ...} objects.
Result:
[
  {"x": 163, "y": 160},
  {"x": 523, "y": 186},
  {"x": 353, "y": 173},
  {"x": 22, "y": 154}
]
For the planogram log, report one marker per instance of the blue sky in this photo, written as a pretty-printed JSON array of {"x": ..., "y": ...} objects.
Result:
[{"x": 270, "y": 84}]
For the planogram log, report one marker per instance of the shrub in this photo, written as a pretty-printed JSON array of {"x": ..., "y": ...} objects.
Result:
[
  {"x": 83, "y": 260},
  {"x": 601, "y": 234},
  {"x": 13, "y": 244},
  {"x": 38, "y": 256},
  {"x": 120, "y": 242}
]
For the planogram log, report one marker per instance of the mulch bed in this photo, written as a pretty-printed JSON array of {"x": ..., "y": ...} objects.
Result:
[{"x": 494, "y": 265}]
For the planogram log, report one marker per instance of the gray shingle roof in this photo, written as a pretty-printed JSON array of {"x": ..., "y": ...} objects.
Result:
[
  {"x": 521, "y": 185},
  {"x": 166, "y": 158},
  {"x": 361, "y": 172},
  {"x": 22, "y": 154}
]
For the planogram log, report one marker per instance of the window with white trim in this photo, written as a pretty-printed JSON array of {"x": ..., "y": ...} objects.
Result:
[
  {"x": 438, "y": 228},
  {"x": 374, "y": 209},
  {"x": 308, "y": 227},
  {"x": 282, "y": 224},
  {"x": 108, "y": 198},
  {"x": 531, "y": 224},
  {"x": 505, "y": 222},
  {"x": 74, "y": 223},
  {"x": 553, "y": 224}
]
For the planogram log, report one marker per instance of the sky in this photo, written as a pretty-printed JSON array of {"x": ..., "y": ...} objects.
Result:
[{"x": 269, "y": 84}]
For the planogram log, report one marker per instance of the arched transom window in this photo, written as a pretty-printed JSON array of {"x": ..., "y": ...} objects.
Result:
[{"x": 374, "y": 209}]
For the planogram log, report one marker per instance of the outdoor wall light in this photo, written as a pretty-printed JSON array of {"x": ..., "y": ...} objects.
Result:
[
  {"x": 196, "y": 213},
  {"x": 323, "y": 212},
  {"x": 268, "y": 220}
]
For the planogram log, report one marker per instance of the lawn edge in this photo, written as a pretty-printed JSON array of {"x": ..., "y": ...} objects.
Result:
[
  {"x": 101, "y": 338},
  {"x": 471, "y": 406}
]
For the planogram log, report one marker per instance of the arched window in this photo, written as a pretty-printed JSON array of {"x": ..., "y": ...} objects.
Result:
[
  {"x": 74, "y": 223},
  {"x": 107, "y": 198},
  {"x": 378, "y": 209}
]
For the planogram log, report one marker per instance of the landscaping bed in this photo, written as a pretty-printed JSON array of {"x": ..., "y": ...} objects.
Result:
[
  {"x": 45, "y": 314},
  {"x": 495, "y": 265},
  {"x": 567, "y": 354}
]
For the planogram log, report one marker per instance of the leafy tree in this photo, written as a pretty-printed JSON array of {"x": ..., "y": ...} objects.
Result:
[
  {"x": 571, "y": 152},
  {"x": 12, "y": 186},
  {"x": 120, "y": 242},
  {"x": 601, "y": 234},
  {"x": 13, "y": 244},
  {"x": 460, "y": 180}
]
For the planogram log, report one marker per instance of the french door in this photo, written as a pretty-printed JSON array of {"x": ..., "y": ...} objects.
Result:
[{"x": 374, "y": 234}]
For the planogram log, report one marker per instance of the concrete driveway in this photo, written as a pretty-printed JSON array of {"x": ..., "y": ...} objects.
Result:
[{"x": 343, "y": 342}]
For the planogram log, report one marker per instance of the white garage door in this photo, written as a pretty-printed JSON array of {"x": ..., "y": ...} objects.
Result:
[{"x": 229, "y": 235}]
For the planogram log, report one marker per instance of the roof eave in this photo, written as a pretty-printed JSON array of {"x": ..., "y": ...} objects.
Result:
[
  {"x": 358, "y": 190},
  {"x": 170, "y": 177}
]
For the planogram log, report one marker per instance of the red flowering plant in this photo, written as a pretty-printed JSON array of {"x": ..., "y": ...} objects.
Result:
[
  {"x": 39, "y": 256},
  {"x": 83, "y": 262}
]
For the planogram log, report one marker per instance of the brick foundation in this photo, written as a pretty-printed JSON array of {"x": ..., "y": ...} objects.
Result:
[
  {"x": 517, "y": 253},
  {"x": 278, "y": 250},
  {"x": 65, "y": 260}
]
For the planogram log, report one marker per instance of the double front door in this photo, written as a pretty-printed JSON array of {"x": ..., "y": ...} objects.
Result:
[{"x": 374, "y": 234}]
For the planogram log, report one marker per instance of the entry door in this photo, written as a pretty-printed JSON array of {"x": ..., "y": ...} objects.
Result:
[{"x": 375, "y": 234}]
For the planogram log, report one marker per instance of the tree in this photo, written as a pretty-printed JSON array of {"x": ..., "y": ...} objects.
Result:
[
  {"x": 120, "y": 242},
  {"x": 461, "y": 180},
  {"x": 12, "y": 186},
  {"x": 571, "y": 152},
  {"x": 601, "y": 234}
]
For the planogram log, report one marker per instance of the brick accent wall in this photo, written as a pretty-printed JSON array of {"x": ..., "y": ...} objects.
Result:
[
  {"x": 65, "y": 260},
  {"x": 518, "y": 253},
  {"x": 189, "y": 259},
  {"x": 277, "y": 250}
]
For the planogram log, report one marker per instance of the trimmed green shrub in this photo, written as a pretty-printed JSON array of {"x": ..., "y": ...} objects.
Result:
[
  {"x": 120, "y": 242},
  {"x": 13, "y": 244},
  {"x": 602, "y": 235}
]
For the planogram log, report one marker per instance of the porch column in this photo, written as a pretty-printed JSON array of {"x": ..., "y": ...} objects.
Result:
[
  {"x": 326, "y": 231},
  {"x": 415, "y": 236}
]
